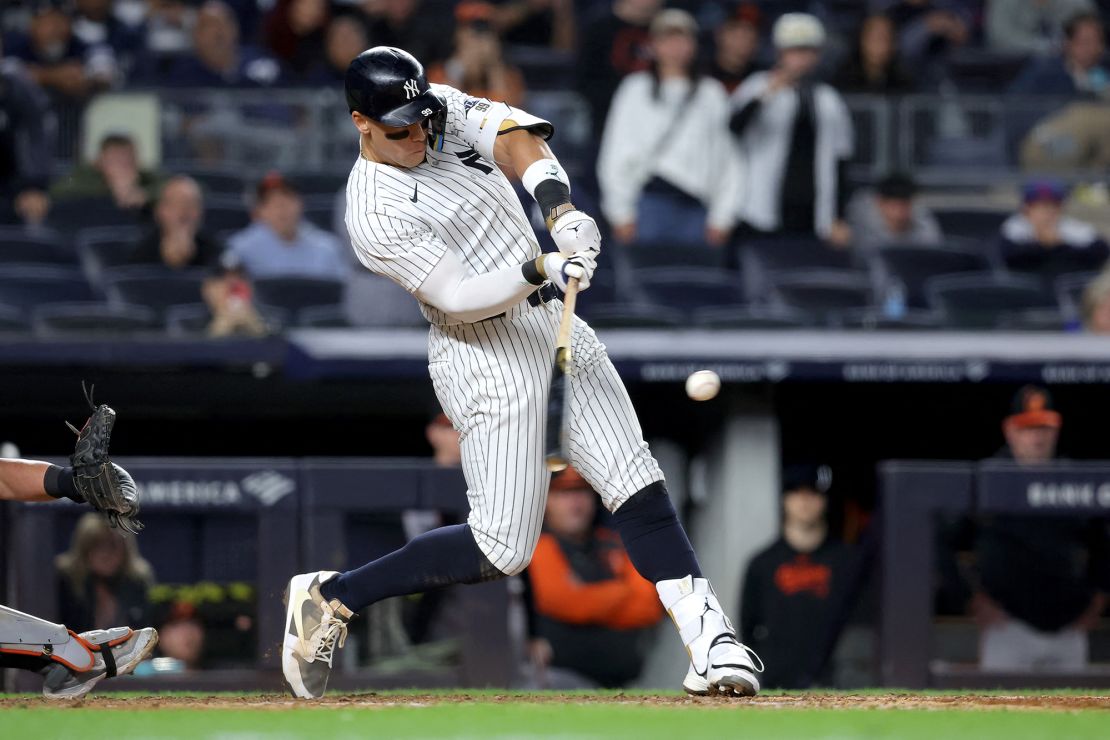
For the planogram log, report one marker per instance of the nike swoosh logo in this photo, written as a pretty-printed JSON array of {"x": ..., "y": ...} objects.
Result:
[{"x": 414, "y": 189}]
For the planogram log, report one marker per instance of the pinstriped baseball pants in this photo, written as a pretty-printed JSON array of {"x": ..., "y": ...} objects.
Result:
[{"x": 492, "y": 379}]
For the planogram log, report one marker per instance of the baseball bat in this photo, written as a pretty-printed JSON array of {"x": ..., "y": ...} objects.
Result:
[{"x": 555, "y": 440}]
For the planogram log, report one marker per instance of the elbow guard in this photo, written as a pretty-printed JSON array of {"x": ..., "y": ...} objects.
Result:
[{"x": 486, "y": 120}]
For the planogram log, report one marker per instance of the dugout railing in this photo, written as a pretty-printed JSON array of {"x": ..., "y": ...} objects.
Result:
[{"x": 914, "y": 494}]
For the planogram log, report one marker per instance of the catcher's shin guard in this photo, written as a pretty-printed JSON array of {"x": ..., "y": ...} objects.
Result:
[{"x": 25, "y": 635}]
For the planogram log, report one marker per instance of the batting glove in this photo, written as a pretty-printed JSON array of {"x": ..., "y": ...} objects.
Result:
[
  {"x": 575, "y": 232},
  {"x": 560, "y": 269}
]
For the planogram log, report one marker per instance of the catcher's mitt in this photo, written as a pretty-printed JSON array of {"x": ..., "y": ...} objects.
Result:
[{"x": 107, "y": 487}]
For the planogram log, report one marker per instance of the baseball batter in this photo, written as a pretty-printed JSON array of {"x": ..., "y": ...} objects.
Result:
[
  {"x": 71, "y": 663},
  {"x": 428, "y": 206}
]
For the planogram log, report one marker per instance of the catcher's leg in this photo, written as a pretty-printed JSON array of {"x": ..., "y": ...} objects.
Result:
[{"x": 72, "y": 663}]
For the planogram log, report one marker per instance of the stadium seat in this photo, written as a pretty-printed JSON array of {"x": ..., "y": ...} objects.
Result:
[
  {"x": 968, "y": 222},
  {"x": 12, "y": 320},
  {"x": 375, "y": 301},
  {"x": 323, "y": 317},
  {"x": 24, "y": 286},
  {"x": 983, "y": 300},
  {"x": 296, "y": 293},
  {"x": 874, "y": 320},
  {"x": 219, "y": 183},
  {"x": 603, "y": 290},
  {"x": 751, "y": 317},
  {"x": 772, "y": 255},
  {"x": 155, "y": 287},
  {"x": 83, "y": 318},
  {"x": 72, "y": 215},
  {"x": 657, "y": 254},
  {"x": 190, "y": 319},
  {"x": 310, "y": 184},
  {"x": 43, "y": 246},
  {"x": 104, "y": 247},
  {"x": 1034, "y": 319},
  {"x": 1069, "y": 291},
  {"x": 912, "y": 266},
  {"x": 225, "y": 213},
  {"x": 823, "y": 293},
  {"x": 634, "y": 316},
  {"x": 689, "y": 288}
]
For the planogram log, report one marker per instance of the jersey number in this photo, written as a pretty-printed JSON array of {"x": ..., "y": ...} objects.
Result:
[{"x": 472, "y": 158}]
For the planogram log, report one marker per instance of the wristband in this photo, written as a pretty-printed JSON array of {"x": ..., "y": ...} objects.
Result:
[{"x": 533, "y": 271}]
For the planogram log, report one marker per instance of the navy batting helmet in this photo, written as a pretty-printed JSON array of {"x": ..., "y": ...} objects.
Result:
[{"x": 388, "y": 85}]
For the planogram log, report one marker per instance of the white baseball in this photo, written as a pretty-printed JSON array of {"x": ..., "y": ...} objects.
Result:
[{"x": 703, "y": 385}]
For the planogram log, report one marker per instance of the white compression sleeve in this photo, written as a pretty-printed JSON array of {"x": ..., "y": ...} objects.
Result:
[{"x": 474, "y": 297}]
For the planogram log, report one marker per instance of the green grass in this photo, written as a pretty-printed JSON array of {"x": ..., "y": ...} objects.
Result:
[{"x": 485, "y": 719}]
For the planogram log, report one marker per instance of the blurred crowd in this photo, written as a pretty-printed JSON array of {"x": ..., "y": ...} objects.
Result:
[{"x": 743, "y": 144}]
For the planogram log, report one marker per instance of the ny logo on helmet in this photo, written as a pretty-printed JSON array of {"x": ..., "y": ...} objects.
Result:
[{"x": 412, "y": 89}]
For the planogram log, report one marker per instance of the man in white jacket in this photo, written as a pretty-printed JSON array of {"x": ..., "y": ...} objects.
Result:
[{"x": 796, "y": 137}]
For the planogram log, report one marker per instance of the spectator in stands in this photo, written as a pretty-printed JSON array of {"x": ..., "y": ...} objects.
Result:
[
  {"x": 1030, "y": 26},
  {"x": 168, "y": 26},
  {"x": 1077, "y": 71},
  {"x": 874, "y": 67},
  {"x": 103, "y": 579},
  {"x": 477, "y": 64},
  {"x": 295, "y": 32},
  {"x": 181, "y": 636},
  {"x": 115, "y": 175},
  {"x": 929, "y": 29},
  {"x": 280, "y": 242},
  {"x": 95, "y": 23},
  {"x": 888, "y": 216},
  {"x": 58, "y": 60},
  {"x": 676, "y": 178},
  {"x": 177, "y": 240},
  {"x": 218, "y": 58},
  {"x": 794, "y": 591},
  {"x": 592, "y": 609},
  {"x": 1096, "y": 305},
  {"x": 615, "y": 43},
  {"x": 420, "y": 27},
  {"x": 1041, "y": 239},
  {"x": 26, "y": 139},
  {"x": 796, "y": 137},
  {"x": 345, "y": 39},
  {"x": 547, "y": 23},
  {"x": 444, "y": 439},
  {"x": 1042, "y": 581},
  {"x": 736, "y": 47}
]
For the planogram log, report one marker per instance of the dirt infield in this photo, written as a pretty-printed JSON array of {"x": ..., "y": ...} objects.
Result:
[{"x": 275, "y": 702}]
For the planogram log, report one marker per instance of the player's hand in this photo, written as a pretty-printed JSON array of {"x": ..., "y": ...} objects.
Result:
[
  {"x": 576, "y": 232},
  {"x": 560, "y": 269}
]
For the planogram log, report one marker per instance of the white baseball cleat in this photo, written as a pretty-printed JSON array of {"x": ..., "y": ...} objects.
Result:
[
  {"x": 719, "y": 663},
  {"x": 314, "y": 629},
  {"x": 115, "y": 652}
]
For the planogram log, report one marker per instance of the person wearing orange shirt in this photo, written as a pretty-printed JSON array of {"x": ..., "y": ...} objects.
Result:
[{"x": 592, "y": 610}]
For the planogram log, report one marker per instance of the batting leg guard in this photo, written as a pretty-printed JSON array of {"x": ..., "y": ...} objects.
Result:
[
  {"x": 719, "y": 663},
  {"x": 28, "y": 636}
]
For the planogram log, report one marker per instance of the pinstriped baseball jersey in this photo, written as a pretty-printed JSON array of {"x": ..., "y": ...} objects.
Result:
[
  {"x": 493, "y": 377},
  {"x": 401, "y": 221}
]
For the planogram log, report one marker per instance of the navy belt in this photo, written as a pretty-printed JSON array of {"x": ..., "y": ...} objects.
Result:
[{"x": 544, "y": 294}]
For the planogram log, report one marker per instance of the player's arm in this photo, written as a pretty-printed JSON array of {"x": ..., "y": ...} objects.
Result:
[
  {"x": 31, "y": 480},
  {"x": 471, "y": 298},
  {"x": 516, "y": 138}
]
